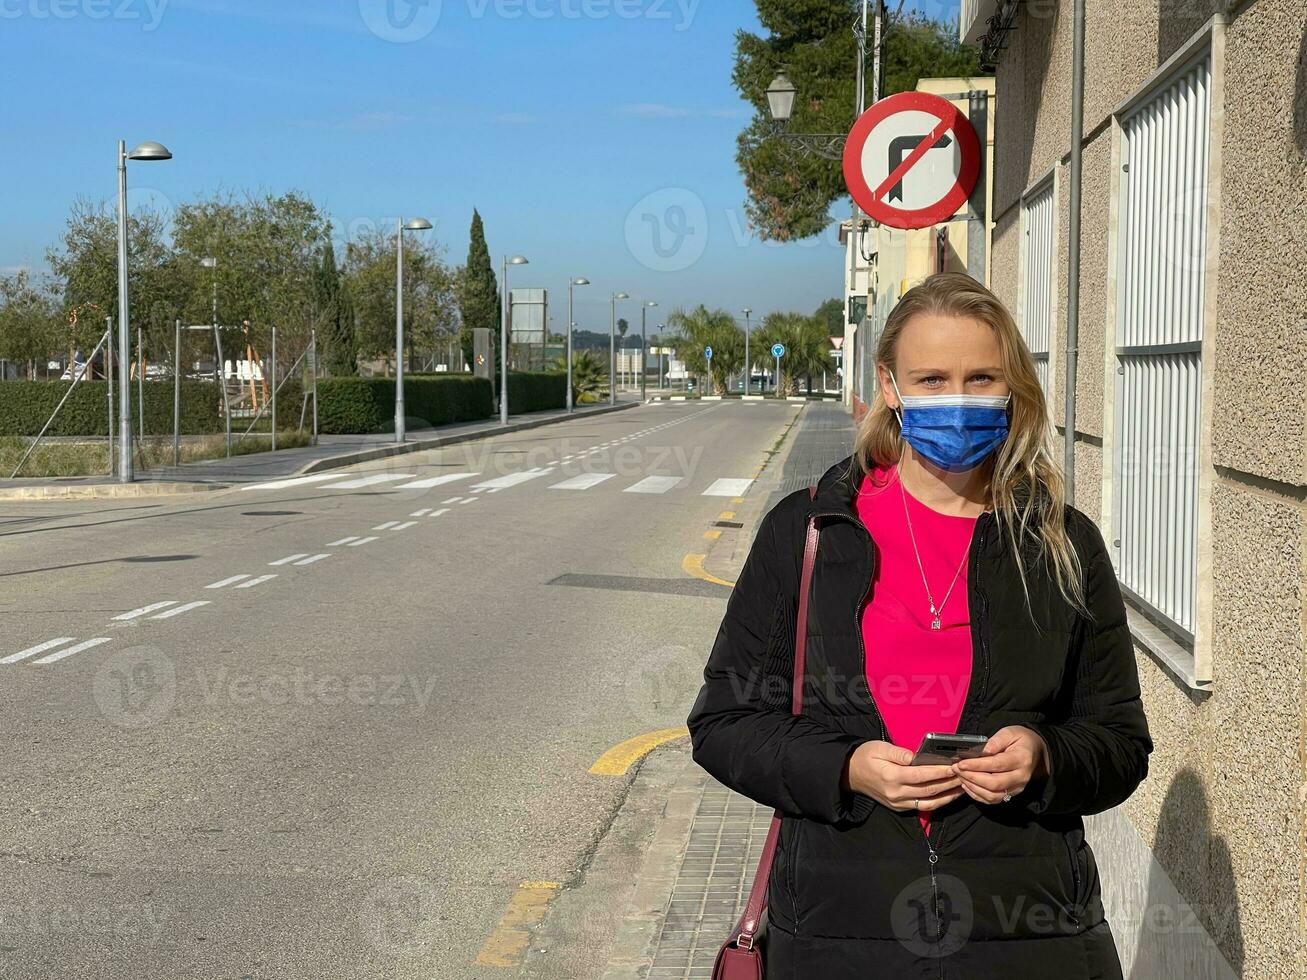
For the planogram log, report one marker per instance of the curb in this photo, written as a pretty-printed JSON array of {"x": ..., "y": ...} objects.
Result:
[
  {"x": 435, "y": 442},
  {"x": 104, "y": 491}
]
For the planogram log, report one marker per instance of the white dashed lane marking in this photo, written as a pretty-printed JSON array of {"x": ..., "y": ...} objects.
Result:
[
  {"x": 359, "y": 541},
  {"x": 147, "y": 609},
  {"x": 13, "y": 658},
  {"x": 289, "y": 558},
  {"x": 177, "y": 611},
  {"x": 255, "y": 581},
  {"x": 336, "y": 544},
  {"x": 311, "y": 559},
  {"x": 223, "y": 583},
  {"x": 69, "y": 651}
]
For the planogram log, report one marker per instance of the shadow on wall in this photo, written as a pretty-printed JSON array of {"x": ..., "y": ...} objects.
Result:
[{"x": 1202, "y": 873}]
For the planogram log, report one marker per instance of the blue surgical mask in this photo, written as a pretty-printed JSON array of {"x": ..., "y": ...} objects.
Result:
[{"x": 955, "y": 432}]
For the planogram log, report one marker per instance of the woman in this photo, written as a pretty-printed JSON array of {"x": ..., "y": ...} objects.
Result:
[{"x": 954, "y": 591}]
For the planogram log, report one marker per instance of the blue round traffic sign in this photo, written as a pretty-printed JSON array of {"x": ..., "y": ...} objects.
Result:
[
  {"x": 707, "y": 352},
  {"x": 777, "y": 350}
]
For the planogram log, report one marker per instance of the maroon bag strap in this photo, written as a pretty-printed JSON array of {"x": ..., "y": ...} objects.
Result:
[{"x": 747, "y": 929}]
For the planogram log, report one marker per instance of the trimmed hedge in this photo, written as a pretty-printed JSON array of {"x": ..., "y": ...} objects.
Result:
[
  {"x": 25, "y": 405},
  {"x": 365, "y": 405},
  {"x": 536, "y": 391},
  {"x": 349, "y": 406}
]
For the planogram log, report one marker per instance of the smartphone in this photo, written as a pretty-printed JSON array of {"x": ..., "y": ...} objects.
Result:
[{"x": 939, "y": 749}]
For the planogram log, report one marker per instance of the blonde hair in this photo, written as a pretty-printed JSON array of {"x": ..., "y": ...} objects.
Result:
[{"x": 1026, "y": 489}]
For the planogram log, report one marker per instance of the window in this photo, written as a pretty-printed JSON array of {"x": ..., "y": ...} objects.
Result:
[
  {"x": 1037, "y": 282},
  {"x": 1161, "y": 236}
]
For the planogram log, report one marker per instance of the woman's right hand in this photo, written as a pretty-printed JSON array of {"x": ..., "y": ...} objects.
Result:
[{"x": 882, "y": 771}]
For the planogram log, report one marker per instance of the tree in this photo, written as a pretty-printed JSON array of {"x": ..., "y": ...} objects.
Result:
[
  {"x": 333, "y": 312},
  {"x": 696, "y": 329},
  {"x": 807, "y": 347},
  {"x": 478, "y": 290},
  {"x": 789, "y": 192},
  {"x": 85, "y": 268},
  {"x": 832, "y": 314},
  {"x": 430, "y": 307},
  {"x": 622, "y": 327},
  {"x": 31, "y": 328}
]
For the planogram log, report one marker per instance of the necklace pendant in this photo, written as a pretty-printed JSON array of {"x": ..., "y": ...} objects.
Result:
[{"x": 934, "y": 623}]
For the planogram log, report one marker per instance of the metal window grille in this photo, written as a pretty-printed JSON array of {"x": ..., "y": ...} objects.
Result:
[
  {"x": 1038, "y": 282},
  {"x": 1161, "y": 237}
]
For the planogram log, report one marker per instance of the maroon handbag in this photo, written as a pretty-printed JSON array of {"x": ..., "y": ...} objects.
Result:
[{"x": 740, "y": 957}]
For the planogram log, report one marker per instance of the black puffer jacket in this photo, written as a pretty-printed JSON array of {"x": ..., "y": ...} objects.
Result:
[{"x": 1007, "y": 890}]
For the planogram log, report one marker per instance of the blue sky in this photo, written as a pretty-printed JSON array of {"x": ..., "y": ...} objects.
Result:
[{"x": 595, "y": 136}]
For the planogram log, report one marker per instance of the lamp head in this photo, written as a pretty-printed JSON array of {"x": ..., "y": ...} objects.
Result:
[
  {"x": 418, "y": 224},
  {"x": 150, "y": 150},
  {"x": 780, "y": 98},
  {"x": 518, "y": 260},
  {"x": 621, "y": 296},
  {"x": 580, "y": 281}
]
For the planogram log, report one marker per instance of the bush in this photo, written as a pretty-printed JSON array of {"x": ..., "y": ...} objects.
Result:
[
  {"x": 536, "y": 391},
  {"x": 25, "y": 405},
  {"x": 365, "y": 405}
]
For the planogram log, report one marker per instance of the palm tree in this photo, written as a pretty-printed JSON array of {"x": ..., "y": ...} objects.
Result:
[
  {"x": 700, "y": 328},
  {"x": 807, "y": 347},
  {"x": 589, "y": 375}
]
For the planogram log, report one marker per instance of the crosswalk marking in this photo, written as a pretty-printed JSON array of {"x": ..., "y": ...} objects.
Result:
[
  {"x": 293, "y": 482},
  {"x": 223, "y": 583},
  {"x": 178, "y": 610},
  {"x": 311, "y": 559},
  {"x": 437, "y": 513},
  {"x": 146, "y": 609},
  {"x": 369, "y": 481},
  {"x": 435, "y": 481},
  {"x": 727, "y": 488},
  {"x": 512, "y": 479},
  {"x": 76, "y": 648},
  {"x": 255, "y": 581},
  {"x": 13, "y": 658},
  {"x": 421, "y": 513},
  {"x": 336, "y": 544},
  {"x": 385, "y": 527},
  {"x": 653, "y": 484},
  {"x": 289, "y": 558},
  {"x": 355, "y": 544},
  {"x": 583, "y": 481},
  {"x": 403, "y": 527}
]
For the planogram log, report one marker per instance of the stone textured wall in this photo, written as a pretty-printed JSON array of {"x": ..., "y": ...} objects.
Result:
[{"x": 1224, "y": 810}]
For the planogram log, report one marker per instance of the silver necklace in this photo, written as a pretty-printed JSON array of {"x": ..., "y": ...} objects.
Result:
[{"x": 934, "y": 612}]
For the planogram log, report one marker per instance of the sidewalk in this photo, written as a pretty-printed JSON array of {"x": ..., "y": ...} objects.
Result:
[
  {"x": 696, "y": 873},
  {"x": 331, "y": 452}
]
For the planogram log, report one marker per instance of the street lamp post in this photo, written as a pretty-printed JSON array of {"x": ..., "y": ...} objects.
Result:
[
  {"x": 645, "y": 307},
  {"x": 220, "y": 367},
  {"x": 612, "y": 350},
  {"x": 417, "y": 224},
  {"x": 505, "y": 303},
  {"x": 146, "y": 151},
  {"x": 578, "y": 281},
  {"x": 748, "y": 375}
]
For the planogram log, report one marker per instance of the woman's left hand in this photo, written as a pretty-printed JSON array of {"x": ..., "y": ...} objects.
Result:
[{"x": 1011, "y": 758}]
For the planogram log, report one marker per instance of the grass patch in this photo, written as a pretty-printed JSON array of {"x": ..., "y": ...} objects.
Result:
[{"x": 61, "y": 459}]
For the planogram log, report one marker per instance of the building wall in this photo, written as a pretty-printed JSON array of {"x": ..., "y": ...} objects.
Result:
[{"x": 1205, "y": 868}]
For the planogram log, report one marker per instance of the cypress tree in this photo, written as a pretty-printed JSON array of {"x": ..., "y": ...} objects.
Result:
[
  {"x": 338, "y": 322},
  {"x": 478, "y": 299}
]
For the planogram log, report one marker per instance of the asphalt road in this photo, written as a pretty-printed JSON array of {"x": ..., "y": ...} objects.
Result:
[{"x": 348, "y": 769}]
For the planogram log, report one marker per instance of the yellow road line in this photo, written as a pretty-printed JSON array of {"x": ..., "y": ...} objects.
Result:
[
  {"x": 617, "y": 760},
  {"x": 726, "y": 515},
  {"x": 693, "y": 565},
  {"x": 507, "y": 944},
  {"x": 713, "y": 534}
]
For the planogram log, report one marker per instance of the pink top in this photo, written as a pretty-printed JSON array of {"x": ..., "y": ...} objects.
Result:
[{"x": 918, "y": 675}]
